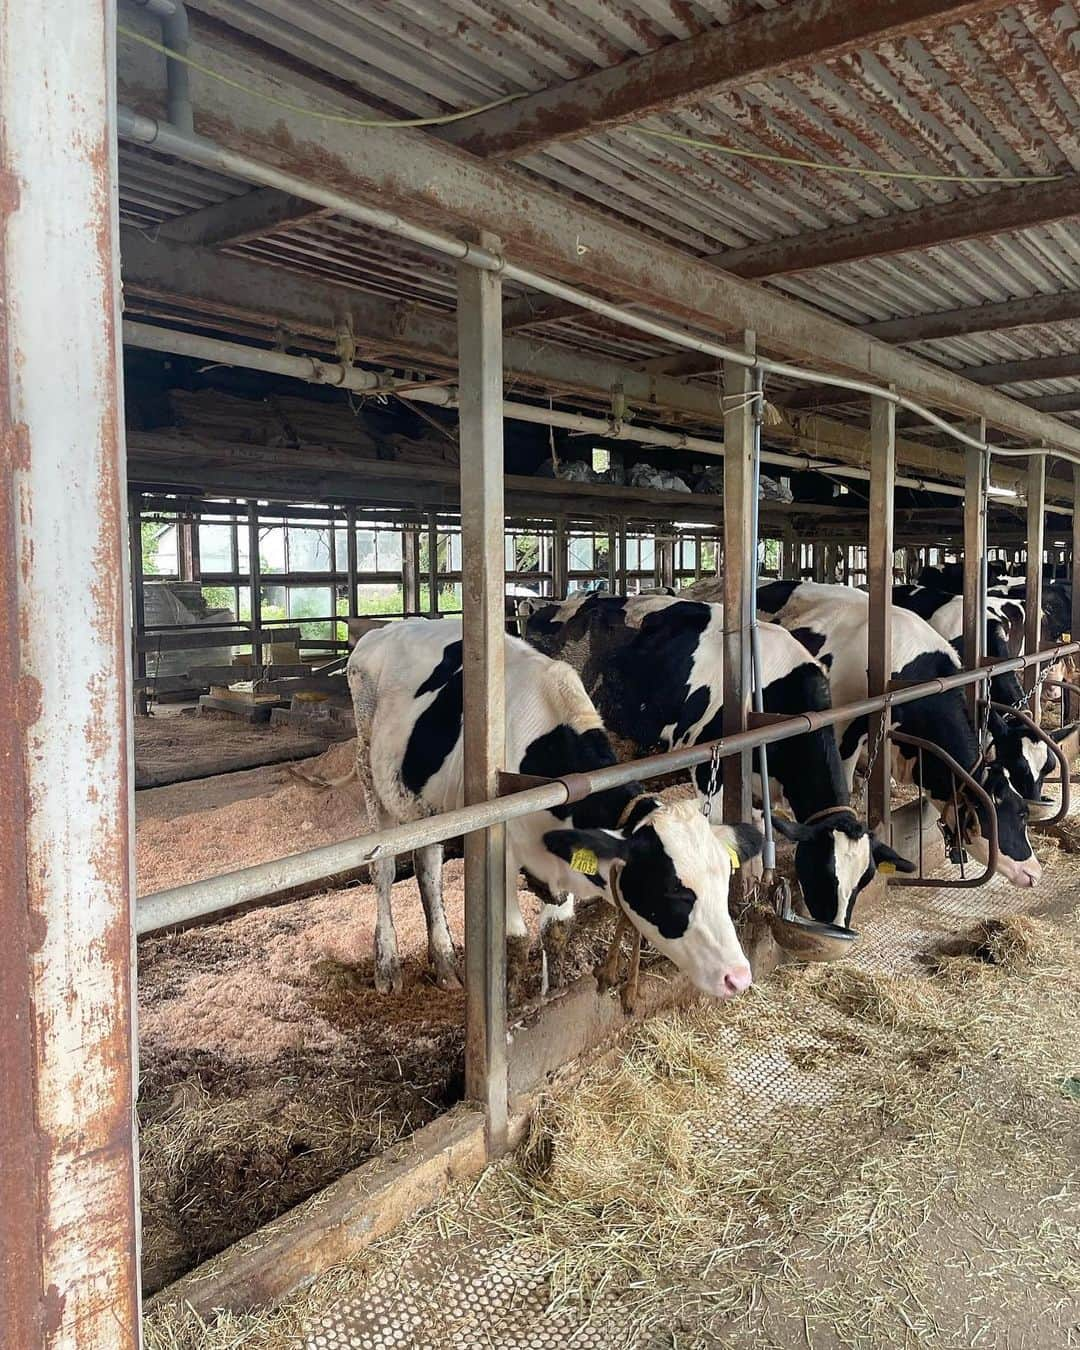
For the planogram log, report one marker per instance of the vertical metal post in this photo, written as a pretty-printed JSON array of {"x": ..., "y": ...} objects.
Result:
[
  {"x": 975, "y": 497},
  {"x": 1074, "y": 572},
  {"x": 410, "y": 569},
  {"x": 187, "y": 549},
  {"x": 480, "y": 372},
  {"x": 254, "y": 580},
  {"x": 879, "y": 563},
  {"x": 560, "y": 563},
  {"x": 138, "y": 602},
  {"x": 739, "y": 543},
  {"x": 69, "y": 1239},
  {"x": 433, "y": 565},
  {"x": 1036, "y": 520},
  {"x": 612, "y": 558},
  {"x": 665, "y": 559},
  {"x": 350, "y": 560},
  {"x": 622, "y": 555}
]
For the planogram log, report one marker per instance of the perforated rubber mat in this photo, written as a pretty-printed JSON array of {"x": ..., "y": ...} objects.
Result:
[{"x": 487, "y": 1295}]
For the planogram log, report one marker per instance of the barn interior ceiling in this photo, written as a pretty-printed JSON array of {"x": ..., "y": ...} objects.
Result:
[{"x": 908, "y": 167}]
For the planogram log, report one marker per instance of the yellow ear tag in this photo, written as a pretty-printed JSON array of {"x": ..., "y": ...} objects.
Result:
[
  {"x": 733, "y": 855},
  {"x": 1066, "y": 637},
  {"x": 585, "y": 860},
  {"x": 887, "y": 868}
]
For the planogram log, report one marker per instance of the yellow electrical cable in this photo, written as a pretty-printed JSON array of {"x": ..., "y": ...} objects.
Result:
[
  {"x": 343, "y": 118},
  {"x": 722, "y": 149},
  {"x": 446, "y": 118}
]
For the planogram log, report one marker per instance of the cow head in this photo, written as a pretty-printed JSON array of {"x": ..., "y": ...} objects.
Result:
[
  {"x": 835, "y": 858},
  {"x": 669, "y": 872},
  {"x": 1016, "y": 858},
  {"x": 1026, "y": 758}
]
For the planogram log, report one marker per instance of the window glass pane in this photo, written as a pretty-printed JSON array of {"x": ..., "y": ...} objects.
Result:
[
  {"x": 580, "y": 550},
  {"x": 379, "y": 599},
  {"x": 309, "y": 602},
  {"x": 341, "y": 549},
  {"x": 365, "y": 550},
  {"x": 452, "y": 552},
  {"x": 220, "y": 602},
  {"x": 449, "y": 598},
  {"x": 272, "y": 603},
  {"x": 272, "y": 548},
  {"x": 215, "y": 548},
  {"x": 388, "y": 550},
  {"x": 309, "y": 548},
  {"x": 159, "y": 548},
  {"x": 242, "y": 546}
]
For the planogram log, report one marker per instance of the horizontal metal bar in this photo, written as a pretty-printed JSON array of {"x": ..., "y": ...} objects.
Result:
[
  {"x": 170, "y": 140},
  {"x": 161, "y": 909}
]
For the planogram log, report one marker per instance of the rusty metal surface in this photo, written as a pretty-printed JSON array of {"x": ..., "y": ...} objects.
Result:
[
  {"x": 997, "y": 94},
  {"x": 69, "y": 1170}
]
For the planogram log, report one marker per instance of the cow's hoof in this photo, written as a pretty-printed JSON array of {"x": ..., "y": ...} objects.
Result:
[
  {"x": 447, "y": 975},
  {"x": 517, "y": 967},
  {"x": 388, "y": 977},
  {"x": 628, "y": 998}
]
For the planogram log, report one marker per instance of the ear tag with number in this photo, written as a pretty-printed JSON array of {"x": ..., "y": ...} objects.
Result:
[
  {"x": 887, "y": 868},
  {"x": 733, "y": 855},
  {"x": 585, "y": 860}
]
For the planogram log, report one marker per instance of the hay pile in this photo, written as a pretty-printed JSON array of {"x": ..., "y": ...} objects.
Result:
[{"x": 841, "y": 1158}]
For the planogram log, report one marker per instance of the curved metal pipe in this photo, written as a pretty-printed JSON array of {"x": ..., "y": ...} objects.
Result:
[{"x": 1055, "y": 750}]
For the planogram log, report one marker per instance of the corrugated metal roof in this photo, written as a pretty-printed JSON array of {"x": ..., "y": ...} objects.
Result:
[{"x": 997, "y": 95}]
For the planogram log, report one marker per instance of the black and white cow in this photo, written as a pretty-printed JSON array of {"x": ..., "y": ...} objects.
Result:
[
  {"x": 653, "y": 665},
  {"x": 1025, "y": 757},
  {"x": 836, "y": 620},
  {"x": 663, "y": 867}
]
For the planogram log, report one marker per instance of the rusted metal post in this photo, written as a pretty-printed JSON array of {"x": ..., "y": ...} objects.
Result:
[
  {"x": 612, "y": 558},
  {"x": 622, "y": 556},
  {"x": 739, "y": 543},
  {"x": 138, "y": 602},
  {"x": 879, "y": 563},
  {"x": 665, "y": 560},
  {"x": 410, "y": 570},
  {"x": 483, "y": 583},
  {"x": 433, "y": 565},
  {"x": 69, "y": 1237},
  {"x": 976, "y": 481},
  {"x": 350, "y": 560},
  {"x": 560, "y": 561},
  {"x": 1036, "y": 521},
  {"x": 1074, "y": 572},
  {"x": 254, "y": 580}
]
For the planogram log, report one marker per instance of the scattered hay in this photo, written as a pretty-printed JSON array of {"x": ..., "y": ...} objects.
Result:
[{"x": 914, "y": 1183}]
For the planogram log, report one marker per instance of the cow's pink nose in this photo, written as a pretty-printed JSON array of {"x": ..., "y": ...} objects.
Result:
[{"x": 737, "y": 979}]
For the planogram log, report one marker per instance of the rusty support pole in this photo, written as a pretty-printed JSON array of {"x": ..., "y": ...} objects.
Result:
[
  {"x": 350, "y": 560},
  {"x": 1036, "y": 522},
  {"x": 480, "y": 373},
  {"x": 879, "y": 563},
  {"x": 976, "y": 481},
  {"x": 69, "y": 1238},
  {"x": 612, "y": 557},
  {"x": 410, "y": 570},
  {"x": 433, "y": 565},
  {"x": 138, "y": 602},
  {"x": 739, "y": 544},
  {"x": 254, "y": 580},
  {"x": 560, "y": 562},
  {"x": 1074, "y": 573}
]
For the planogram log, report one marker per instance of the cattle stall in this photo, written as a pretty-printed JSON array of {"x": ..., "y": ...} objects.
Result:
[{"x": 323, "y": 319}]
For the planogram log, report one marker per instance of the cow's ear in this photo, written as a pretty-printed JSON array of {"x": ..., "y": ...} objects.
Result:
[
  {"x": 887, "y": 859},
  {"x": 585, "y": 849},
  {"x": 745, "y": 841},
  {"x": 1060, "y": 734}
]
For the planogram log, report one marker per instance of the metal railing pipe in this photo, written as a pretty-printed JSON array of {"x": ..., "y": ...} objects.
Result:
[
  {"x": 171, "y": 140},
  {"x": 196, "y": 899}
]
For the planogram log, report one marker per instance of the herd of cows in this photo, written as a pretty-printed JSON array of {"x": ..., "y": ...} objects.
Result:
[{"x": 649, "y": 669}]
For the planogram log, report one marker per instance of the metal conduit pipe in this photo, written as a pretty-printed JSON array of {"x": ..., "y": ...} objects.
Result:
[
  {"x": 195, "y": 149},
  {"x": 181, "y": 904},
  {"x": 319, "y": 372}
]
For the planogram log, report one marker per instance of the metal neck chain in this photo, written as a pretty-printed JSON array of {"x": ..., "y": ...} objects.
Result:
[
  {"x": 1043, "y": 676},
  {"x": 882, "y": 728},
  {"x": 714, "y": 777}
]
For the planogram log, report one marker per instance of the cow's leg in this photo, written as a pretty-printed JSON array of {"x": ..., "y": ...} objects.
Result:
[
  {"x": 428, "y": 864},
  {"x": 556, "y": 921},
  {"x": 607, "y": 973},
  {"x": 387, "y": 962},
  {"x": 630, "y": 988},
  {"x": 517, "y": 935}
]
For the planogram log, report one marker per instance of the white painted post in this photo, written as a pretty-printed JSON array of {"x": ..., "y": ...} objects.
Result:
[{"x": 69, "y": 1236}]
